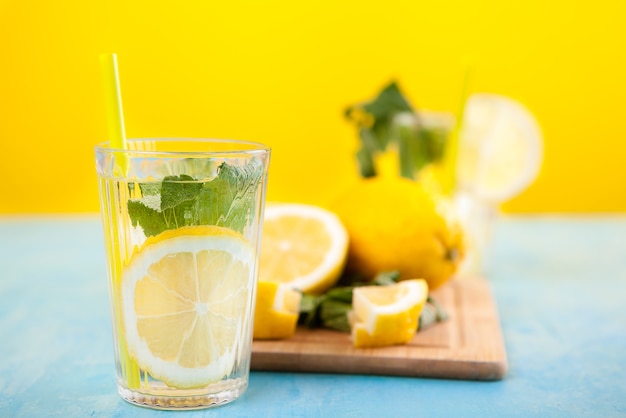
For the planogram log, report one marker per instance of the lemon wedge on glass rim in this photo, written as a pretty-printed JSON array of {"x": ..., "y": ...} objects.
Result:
[
  {"x": 387, "y": 315},
  {"x": 500, "y": 148},
  {"x": 184, "y": 297}
]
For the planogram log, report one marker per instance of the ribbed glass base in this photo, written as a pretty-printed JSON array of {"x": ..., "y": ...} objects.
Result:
[{"x": 214, "y": 395}]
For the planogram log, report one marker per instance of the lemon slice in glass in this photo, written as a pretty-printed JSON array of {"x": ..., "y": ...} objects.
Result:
[
  {"x": 500, "y": 148},
  {"x": 185, "y": 297}
]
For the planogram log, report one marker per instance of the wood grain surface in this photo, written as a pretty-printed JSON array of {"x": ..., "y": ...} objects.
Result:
[{"x": 468, "y": 345}]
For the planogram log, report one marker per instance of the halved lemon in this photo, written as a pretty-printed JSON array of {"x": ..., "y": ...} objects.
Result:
[
  {"x": 304, "y": 246},
  {"x": 185, "y": 297},
  {"x": 277, "y": 310},
  {"x": 387, "y": 315}
]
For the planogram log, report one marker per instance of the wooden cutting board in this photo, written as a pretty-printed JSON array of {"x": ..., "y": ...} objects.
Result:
[{"x": 468, "y": 345}]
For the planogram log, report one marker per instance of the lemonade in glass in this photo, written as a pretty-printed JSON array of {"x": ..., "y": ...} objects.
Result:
[{"x": 182, "y": 224}]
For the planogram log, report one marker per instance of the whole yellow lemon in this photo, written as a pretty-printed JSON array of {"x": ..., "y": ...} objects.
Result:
[{"x": 396, "y": 224}]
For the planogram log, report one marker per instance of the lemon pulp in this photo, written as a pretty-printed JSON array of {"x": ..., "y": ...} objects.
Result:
[{"x": 186, "y": 295}]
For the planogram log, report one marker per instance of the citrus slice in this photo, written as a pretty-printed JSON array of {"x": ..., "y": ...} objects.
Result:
[
  {"x": 303, "y": 245},
  {"x": 185, "y": 296},
  {"x": 387, "y": 315},
  {"x": 500, "y": 147},
  {"x": 277, "y": 310}
]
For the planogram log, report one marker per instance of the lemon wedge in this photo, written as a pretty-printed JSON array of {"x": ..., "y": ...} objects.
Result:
[
  {"x": 277, "y": 310},
  {"x": 387, "y": 315},
  {"x": 303, "y": 246},
  {"x": 185, "y": 297}
]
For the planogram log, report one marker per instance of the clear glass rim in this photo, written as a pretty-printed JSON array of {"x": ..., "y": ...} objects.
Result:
[{"x": 238, "y": 146}]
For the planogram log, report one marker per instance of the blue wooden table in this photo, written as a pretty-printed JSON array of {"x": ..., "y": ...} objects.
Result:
[{"x": 559, "y": 283}]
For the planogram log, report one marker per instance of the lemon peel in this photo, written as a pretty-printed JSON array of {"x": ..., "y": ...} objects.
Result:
[{"x": 395, "y": 224}]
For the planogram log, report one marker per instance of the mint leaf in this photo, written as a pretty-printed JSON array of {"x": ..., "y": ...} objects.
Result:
[
  {"x": 178, "y": 197},
  {"x": 150, "y": 189},
  {"x": 309, "y": 310},
  {"x": 228, "y": 200},
  {"x": 176, "y": 190},
  {"x": 386, "y": 278},
  {"x": 151, "y": 220},
  {"x": 389, "y": 102},
  {"x": 377, "y": 129},
  {"x": 334, "y": 314}
]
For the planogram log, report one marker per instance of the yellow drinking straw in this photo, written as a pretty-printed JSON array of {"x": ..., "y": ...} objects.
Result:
[
  {"x": 113, "y": 103},
  {"x": 450, "y": 157},
  {"x": 117, "y": 140}
]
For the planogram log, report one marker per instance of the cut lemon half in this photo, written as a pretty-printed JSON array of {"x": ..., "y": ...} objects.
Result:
[
  {"x": 277, "y": 310},
  {"x": 304, "y": 246},
  {"x": 185, "y": 297},
  {"x": 500, "y": 148},
  {"x": 387, "y": 315}
]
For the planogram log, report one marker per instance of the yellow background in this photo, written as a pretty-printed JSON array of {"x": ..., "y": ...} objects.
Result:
[{"x": 282, "y": 73}]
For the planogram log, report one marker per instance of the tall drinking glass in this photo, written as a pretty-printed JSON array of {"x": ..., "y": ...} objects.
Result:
[{"x": 182, "y": 223}]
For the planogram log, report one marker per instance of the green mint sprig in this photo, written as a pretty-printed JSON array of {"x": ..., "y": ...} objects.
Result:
[
  {"x": 389, "y": 120},
  {"x": 330, "y": 310},
  {"x": 228, "y": 200}
]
